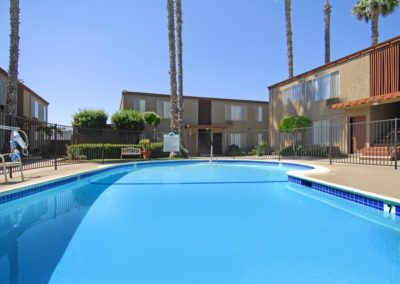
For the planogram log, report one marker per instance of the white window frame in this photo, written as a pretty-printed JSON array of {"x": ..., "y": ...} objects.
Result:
[
  {"x": 237, "y": 139},
  {"x": 36, "y": 106},
  {"x": 258, "y": 113},
  {"x": 322, "y": 87},
  {"x": 322, "y": 132},
  {"x": 139, "y": 105},
  {"x": 44, "y": 113},
  {"x": 164, "y": 109},
  {"x": 235, "y": 113}
]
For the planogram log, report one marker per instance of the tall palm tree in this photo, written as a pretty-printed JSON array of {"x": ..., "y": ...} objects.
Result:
[
  {"x": 180, "y": 63},
  {"x": 327, "y": 19},
  {"x": 172, "y": 65},
  {"x": 289, "y": 38},
  {"x": 370, "y": 10},
  {"x": 12, "y": 86}
]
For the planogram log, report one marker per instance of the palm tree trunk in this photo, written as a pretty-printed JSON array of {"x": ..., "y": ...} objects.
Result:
[
  {"x": 327, "y": 18},
  {"x": 172, "y": 65},
  {"x": 12, "y": 86},
  {"x": 289, "y": 36},
  {"x": 180, "y": 64},
  {"x": 374, "y": 26}
]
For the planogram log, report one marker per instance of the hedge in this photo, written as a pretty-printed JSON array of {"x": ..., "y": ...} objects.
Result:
[{"x": 113, "y": 151}]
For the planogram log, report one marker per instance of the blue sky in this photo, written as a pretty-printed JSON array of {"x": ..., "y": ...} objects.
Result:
[{"x": 82, "y": 54}]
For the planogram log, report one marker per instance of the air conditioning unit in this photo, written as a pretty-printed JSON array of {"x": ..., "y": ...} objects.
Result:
[{"x": 332, "y": 101}]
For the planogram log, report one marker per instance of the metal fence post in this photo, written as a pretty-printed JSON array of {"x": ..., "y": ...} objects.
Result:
[
  {"x": 396, "y": 143},
  {"x": 330, "y": 142},
  {"x": 55, "y": 145},
  {"x": 102, "y": 154},
  {"x": 279, "y": 145}
]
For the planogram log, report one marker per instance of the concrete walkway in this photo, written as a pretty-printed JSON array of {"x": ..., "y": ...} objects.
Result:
[{"x": 375, "y": 179}]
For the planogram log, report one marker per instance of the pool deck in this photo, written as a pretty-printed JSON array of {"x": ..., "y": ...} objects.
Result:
[{"x": 379, "y": 180}]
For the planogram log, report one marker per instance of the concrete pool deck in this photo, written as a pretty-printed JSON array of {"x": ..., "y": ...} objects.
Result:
[{"x": 380, "y": 180}]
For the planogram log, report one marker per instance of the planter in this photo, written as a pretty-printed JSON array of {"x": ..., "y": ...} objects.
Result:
[{"x": 146, "y": 154}]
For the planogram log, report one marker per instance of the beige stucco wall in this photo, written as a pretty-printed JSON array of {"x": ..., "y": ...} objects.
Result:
[
  {"x": 354, "y": 84},
  {"x": 190, "y": 115},
  {"x": 250, "y": 124},
  {"x": 191, "y": 106}
]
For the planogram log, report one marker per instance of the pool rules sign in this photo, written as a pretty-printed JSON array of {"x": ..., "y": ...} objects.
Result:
[{"x": 171, "y": 142}]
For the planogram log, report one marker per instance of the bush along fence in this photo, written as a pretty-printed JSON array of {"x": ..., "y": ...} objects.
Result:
[{"x": 52, "y": 145}]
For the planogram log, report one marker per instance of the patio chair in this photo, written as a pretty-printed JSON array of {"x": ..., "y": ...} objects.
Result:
[{"x": 6, "y": 165}]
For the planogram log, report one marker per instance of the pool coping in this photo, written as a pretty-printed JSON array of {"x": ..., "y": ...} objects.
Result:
[{"x": 294, "y": 176}]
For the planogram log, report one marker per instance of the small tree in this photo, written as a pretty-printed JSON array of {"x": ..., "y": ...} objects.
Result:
[
  {"x": 151, "y": 118},
  {"x": 90, "y": 118},
  {"x": 127, "y": 120},
  {"x": 294, "y": 125}
]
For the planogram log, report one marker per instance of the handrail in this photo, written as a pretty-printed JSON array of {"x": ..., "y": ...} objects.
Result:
[{"x": 5, "y": 127}]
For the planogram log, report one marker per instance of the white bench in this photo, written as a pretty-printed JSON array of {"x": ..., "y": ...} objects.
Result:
[
  {"x": 131, "y": 151},
  {"x": 6, "y": 165}
]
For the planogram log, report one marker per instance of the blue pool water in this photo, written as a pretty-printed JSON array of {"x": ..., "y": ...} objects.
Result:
[{"x": 195, "y": 223}]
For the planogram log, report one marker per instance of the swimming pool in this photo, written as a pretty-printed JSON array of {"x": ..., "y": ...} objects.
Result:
[{"x": 192, "y": 222}]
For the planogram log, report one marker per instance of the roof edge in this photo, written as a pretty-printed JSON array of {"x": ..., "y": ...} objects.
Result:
[
  {"x": 124, "y": 93},
  {"x": 352, "y": 56}
]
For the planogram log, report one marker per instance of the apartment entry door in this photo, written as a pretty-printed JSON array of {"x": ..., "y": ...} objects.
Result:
[
  {"x": 358, "y": 133},
  {"x": 204, "y": 142}
]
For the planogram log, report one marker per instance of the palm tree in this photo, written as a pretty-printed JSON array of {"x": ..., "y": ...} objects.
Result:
[
  {"x": 12, "y": 86},
  {"x": 371, "y": 10},
  {"x": 289, "y": 39},
  {"x": 180, "y": 63},
  {"x": 327, "y": 18},
  {"x": 172, "y": 65}
]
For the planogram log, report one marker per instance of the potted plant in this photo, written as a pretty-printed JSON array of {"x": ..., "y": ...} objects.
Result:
[{"x": 146, "y": 145}]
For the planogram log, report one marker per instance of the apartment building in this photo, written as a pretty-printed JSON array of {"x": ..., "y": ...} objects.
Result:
[
  {"x": 358, "y": 88},
  {"x": 222, "y": 122},
  {"x": 29, "y": 103}
]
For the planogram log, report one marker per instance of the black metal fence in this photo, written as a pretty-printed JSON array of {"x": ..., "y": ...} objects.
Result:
[{"x": 51, "y": 145}]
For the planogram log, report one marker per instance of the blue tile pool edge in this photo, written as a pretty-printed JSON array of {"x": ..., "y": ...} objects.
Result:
[
  {"x": 333, "y": 190},
  {"x": 338, "y": 191}
]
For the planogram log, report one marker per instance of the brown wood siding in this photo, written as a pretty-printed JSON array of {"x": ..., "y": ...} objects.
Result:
[{"x": 385, "y": 71}]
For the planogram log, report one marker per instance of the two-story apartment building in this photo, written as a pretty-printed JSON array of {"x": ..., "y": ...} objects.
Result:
[
  {"x": 223, "y": 121},
  {"x": 361, "y": 87},
  {"x": 29, "y": 103}
]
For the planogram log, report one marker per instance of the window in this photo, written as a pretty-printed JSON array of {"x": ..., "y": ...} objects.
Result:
[
  {"x": 322, "y": 132},
  {"x": 322, "y": 87},
  {"x": 163, "y": 109},
  {"x": 293, "y": 93},
  {"x": 36, "y": 109},
  {"x": 2, "y": 92},
  {"x": 258, "y": 138},
  {"x": 139, "y": 105},
  {"x": 237, "y": 139},
  {"x": 44, "y": 113},
  {"x": 235, "y": 113},
  {"x": 258, "y": 113}
]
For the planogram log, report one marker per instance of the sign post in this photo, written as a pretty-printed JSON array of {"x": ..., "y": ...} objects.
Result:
[{"x": 171, "y": 142}]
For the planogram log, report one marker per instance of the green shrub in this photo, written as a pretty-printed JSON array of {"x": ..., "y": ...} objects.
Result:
[
  {"x": 262, "y": 149},
  {"x": 127, "y": 120},
  {"x": 113, "y": 151},
  {"x": 151, "y": 118},
  {"x": 233, "y": 150},
  {"x": 96, "y": 151},
  {"x": 319, "y": 151},
  {"x": 90, "y": 118},
  {"x": 294, "y": 123}
]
